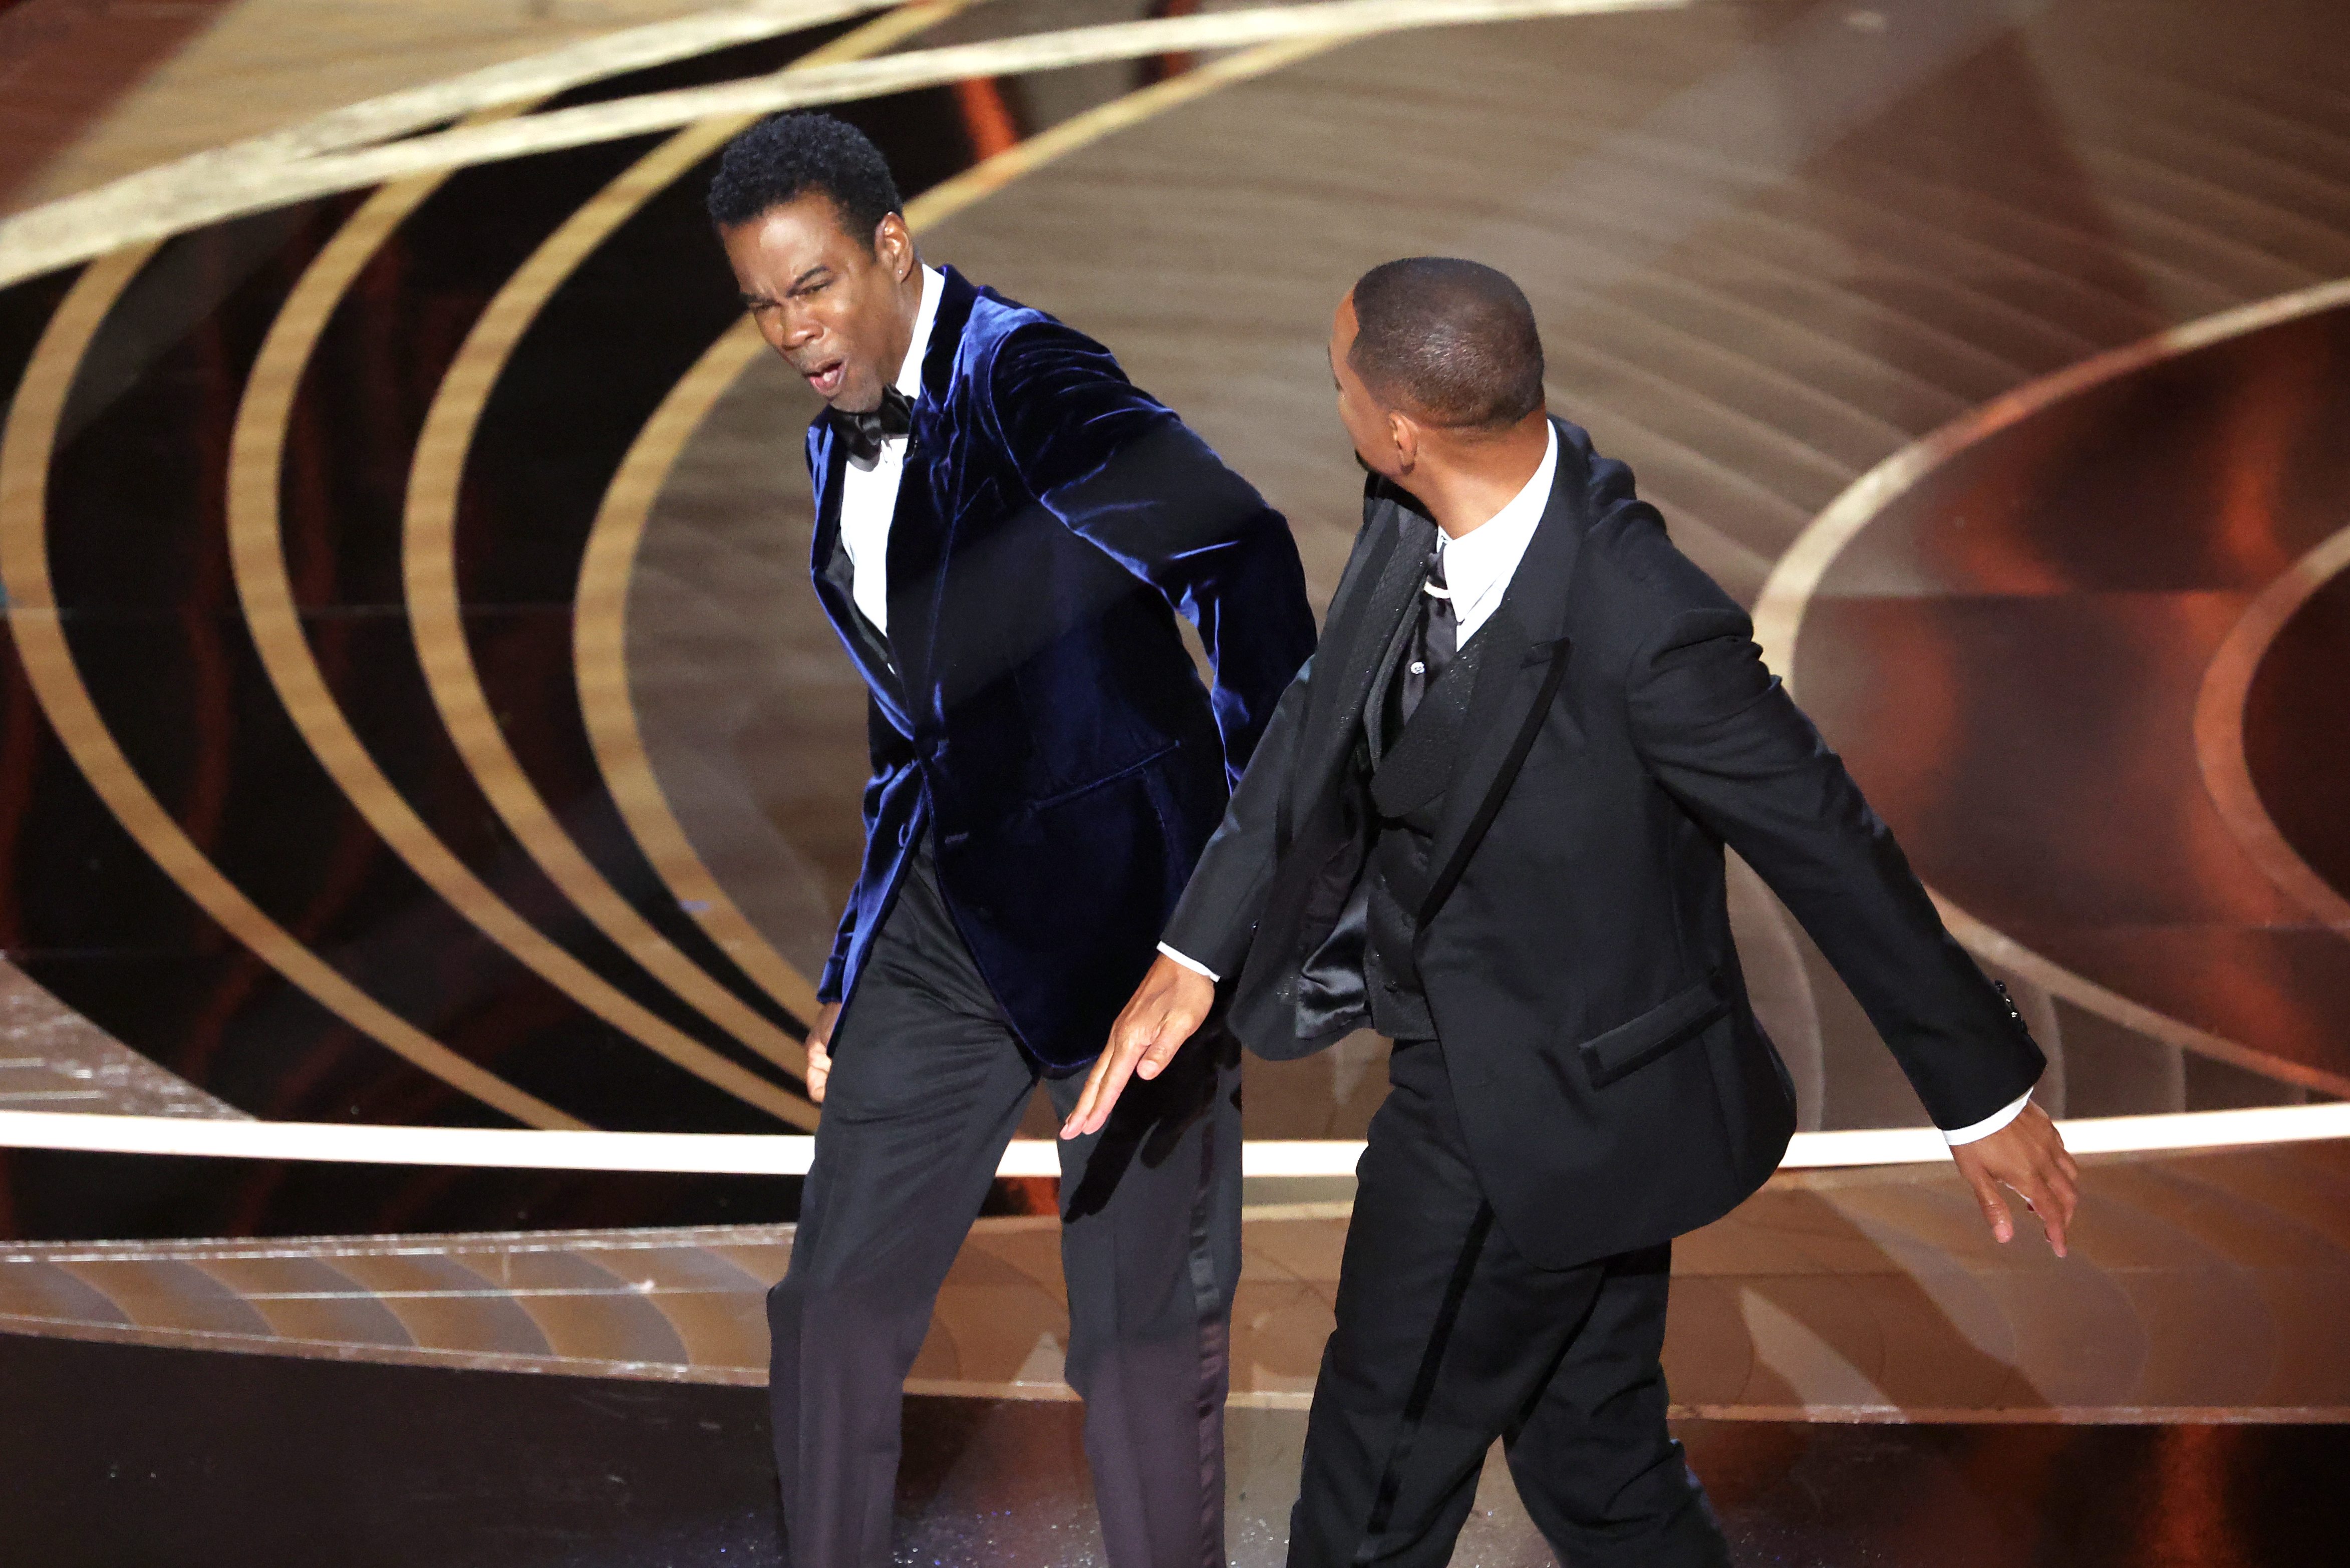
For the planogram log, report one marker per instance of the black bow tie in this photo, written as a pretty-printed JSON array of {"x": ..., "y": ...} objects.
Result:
[{"x": 865, "y": 432}]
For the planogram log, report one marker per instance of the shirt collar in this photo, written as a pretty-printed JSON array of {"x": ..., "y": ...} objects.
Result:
[
  {"x": 910, "y": 373},
  {"x": 1491, "y": 550}
]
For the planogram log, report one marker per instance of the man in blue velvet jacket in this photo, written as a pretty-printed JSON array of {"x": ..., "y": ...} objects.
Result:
[{"x": 1005, "y": 529}]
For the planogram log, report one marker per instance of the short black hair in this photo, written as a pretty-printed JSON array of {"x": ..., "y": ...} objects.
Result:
[
  {"x": 784, "y": 156},
  {"x": 1451, "y": 340}
]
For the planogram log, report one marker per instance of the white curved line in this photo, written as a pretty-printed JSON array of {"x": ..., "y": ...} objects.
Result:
[
  {"x": 1787, "y": 593},
  {"x": 209, "y": 189},
  {"x": 1779, "y": 610},
  {"x": 738, "y": 1153}
]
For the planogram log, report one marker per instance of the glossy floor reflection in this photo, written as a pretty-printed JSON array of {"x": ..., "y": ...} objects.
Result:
[
  {"x": 2201, "y": 1286},
  {"x": 129, "y": 1457}
]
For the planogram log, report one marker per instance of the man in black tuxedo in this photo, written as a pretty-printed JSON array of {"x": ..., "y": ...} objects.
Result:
[
  {"x": 1006, "y": 528},
  {"x": 1489, "y": 821}
]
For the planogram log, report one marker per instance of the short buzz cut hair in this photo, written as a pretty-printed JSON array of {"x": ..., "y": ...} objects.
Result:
[
  {"x": 1451, "y": 341},
  {"x": 786, "y": 156}
]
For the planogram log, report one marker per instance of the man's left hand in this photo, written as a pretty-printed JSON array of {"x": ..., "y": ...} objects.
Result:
[
  {"x": 1170, "y": 1004},
  {"x": 2027, "y": 1156}
]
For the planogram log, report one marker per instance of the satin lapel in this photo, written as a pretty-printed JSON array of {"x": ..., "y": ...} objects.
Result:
[
  {"x": 921, "y": 540},
  {"x": 826, "y": 559},
  {"x": 1524, "y": 661},
  {"x": 1357, "y": 647}
]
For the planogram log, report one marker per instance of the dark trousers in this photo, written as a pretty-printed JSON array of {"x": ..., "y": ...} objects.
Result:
[
  {"x": 927, "y": 1086},
  {"x": 1447, "y": 1338}
]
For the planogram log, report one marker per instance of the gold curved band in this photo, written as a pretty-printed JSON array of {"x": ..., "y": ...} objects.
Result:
[
  {"x": 2219, "y": 731},
  {"x": 1787, "y": 593},
  {"x": 33, "y": 620}
]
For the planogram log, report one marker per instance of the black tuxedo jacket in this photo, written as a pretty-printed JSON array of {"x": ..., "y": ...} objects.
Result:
[{"x": 1574, "y": 946}]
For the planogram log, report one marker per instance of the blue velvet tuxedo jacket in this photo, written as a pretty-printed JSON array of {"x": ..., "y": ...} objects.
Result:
[{"x": 1034, "y": 709}]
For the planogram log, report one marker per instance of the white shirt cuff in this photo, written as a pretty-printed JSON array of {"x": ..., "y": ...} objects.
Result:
[
  {"x": 1990, "y": 1123},
  {"x": 1194, "y": 965}
]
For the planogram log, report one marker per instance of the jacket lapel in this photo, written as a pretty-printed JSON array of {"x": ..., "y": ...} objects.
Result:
[
  {"x": 828, "y": 566},
  {"x": 1523, "y": 662},
  {"x": 1359, "y": 636},
  {"x": 920, "y": 539}
]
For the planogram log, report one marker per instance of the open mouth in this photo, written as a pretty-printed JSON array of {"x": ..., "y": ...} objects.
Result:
[{"x": 827, "y": 378}]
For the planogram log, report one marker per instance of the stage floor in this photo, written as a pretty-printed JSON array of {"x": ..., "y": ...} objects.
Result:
[{"x": 119, "y": 1455}]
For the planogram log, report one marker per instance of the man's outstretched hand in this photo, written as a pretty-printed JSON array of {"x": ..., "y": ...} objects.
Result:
[
  {"x": 1170, "y": 1003},
  {"x": 2026, "y": 1156}
]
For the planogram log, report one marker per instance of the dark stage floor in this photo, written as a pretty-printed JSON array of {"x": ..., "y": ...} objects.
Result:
[{"x": 124, "y": 1456}]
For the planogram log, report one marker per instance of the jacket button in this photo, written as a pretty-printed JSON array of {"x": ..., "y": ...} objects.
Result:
[{"x": 905, "y": 835}]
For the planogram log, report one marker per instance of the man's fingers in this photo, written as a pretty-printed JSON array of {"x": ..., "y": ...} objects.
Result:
[
  {"x": 1165, "y": 1042},
  {"x": 1128, "y": 1038},
  {"x": 2050, "y": 1208},
  {"x": 1102, "y": 1093},
  {"x": 1994, "y": 1208},
  {"x": 1075, "y": 1123}
]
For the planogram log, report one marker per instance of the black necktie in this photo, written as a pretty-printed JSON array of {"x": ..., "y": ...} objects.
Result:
[
  {"x": 865, "y": 432},
  {"x": 1435, "y": 639}
]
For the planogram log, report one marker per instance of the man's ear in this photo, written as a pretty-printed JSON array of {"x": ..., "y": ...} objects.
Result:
[
  {"x": 1404, "y": 436},
  {"x": 893, "y": 245}
]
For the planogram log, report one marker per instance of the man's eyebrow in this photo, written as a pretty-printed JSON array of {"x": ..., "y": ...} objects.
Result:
[{"x": 754, "y": 300}]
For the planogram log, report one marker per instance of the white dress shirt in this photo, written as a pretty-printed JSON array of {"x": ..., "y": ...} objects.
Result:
[
  {"x": 1478, "y": 566},
  {"x": 869, "y": 496}
]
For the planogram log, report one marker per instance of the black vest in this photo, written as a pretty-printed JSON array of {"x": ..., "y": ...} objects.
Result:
[{"x": 1408, "y": 776}]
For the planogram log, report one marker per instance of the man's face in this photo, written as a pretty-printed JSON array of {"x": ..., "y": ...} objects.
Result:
[
  {"x": 1368, "y": 425},
  {"x": 831, "y": 304}
]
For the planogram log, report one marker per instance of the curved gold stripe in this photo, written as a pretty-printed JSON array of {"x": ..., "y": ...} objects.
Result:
[
  {"x": 600, "y": 634},
  {"x": 429, "y": 565},
  {"x": 257, "y": 558},
  {"x": 57, "y": 235},
  {"x": 2219, "y": 731},
  {"x": 33, "y": 620},
  {"x": 154, "y": 203},
  {"x": 600, "y": 658},
  {"x": 1787, "y": 593}
]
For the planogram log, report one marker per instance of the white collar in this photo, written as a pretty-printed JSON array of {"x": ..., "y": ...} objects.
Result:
[
  {"x": 1481, "y": 561},
  {"x": 910, "y": 373}
]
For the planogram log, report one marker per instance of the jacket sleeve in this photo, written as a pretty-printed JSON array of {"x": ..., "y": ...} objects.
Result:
[
  {"x": 1719, "y": 732},
  {"x": 1117, "y": 467},
  {"x": 891, "y": 755},
  {"x": 1217, "y": 915},
  {"x": 1216, "y": 919}
]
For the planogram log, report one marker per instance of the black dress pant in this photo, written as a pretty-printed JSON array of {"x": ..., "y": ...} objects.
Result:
[
  {"x": 1447, "y": 1338},
  {"x": 928, "y": 1085}
]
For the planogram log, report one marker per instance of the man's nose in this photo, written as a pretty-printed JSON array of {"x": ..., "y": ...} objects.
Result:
[{"x": 790, "y": 329}]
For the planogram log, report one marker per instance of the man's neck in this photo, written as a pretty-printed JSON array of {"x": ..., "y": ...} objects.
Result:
[
  {"x": 1464, "y": 485},
  {"x": 909, "y": 320}
]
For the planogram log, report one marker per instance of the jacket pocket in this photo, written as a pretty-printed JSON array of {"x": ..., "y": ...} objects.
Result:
[{"x": 1673, "y": 1023}]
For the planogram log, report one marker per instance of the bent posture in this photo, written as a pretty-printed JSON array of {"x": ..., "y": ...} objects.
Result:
[
  {"x": 1488, "y": 822},
  {"x": 1004, "y": 529}
]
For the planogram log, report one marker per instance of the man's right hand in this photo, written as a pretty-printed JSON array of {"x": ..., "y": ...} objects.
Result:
[
  {"x": 819, "y": 1051},
  {"x": 1170, "y": 1004}
]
